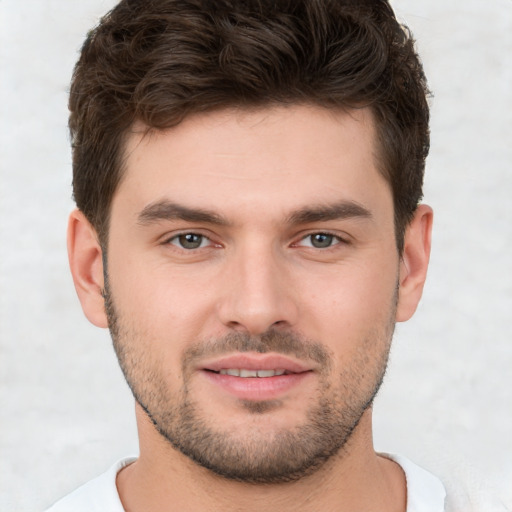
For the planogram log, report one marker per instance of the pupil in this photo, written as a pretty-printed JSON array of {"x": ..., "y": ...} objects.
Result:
[
  {"x": 321, "y": 240},
  {"x": 190, "y": 241}
]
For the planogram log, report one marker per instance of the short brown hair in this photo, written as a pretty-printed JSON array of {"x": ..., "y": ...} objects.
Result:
[{"x": 158, "y": 61}]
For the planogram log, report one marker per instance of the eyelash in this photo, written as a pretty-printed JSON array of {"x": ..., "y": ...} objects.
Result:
[
  {"x": 335, "y": 240},
  {"x": 178, "y": 240},
  {"x": 180, "y": 236}
]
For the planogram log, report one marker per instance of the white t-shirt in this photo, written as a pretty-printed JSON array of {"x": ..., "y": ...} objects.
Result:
[{"x": 425, "y": 493}]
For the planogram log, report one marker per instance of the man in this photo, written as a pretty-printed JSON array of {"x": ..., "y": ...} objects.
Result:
[{"x": 248, "y": 177}]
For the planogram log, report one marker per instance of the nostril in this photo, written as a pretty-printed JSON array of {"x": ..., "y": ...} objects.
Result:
[{"x": 236, "y": 326}]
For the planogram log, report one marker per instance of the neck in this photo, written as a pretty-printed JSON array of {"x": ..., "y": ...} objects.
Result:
[{"x": 163, "y": 479}]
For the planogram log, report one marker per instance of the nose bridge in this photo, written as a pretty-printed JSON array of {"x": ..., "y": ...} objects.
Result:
[{"x": 259, "y": 296}]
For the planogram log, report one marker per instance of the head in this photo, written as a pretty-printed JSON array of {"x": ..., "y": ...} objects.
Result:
[
  {"x": 157, "y": 63},
  {"x": 249, "y": 174}
]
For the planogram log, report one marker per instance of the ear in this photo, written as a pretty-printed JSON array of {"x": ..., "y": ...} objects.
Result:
[
  {"x": 86, "y": 263},
  {"x": 414, "y": 262}
]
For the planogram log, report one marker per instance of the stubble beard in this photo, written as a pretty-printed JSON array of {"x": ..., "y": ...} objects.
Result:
[{"x": 251, "y": 456}]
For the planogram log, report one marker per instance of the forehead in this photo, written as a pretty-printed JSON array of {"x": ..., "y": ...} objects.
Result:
[{"x": 267, "y": 158}]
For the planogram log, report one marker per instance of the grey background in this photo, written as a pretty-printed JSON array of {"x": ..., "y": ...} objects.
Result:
[{"x": 67, "y": 415}]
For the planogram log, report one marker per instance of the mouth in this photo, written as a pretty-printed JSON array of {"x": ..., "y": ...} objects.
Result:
[
  {"x": 256, "y": 377},
  {"x": 256, "y": 365},
  {"x": 246, "y": 373}
]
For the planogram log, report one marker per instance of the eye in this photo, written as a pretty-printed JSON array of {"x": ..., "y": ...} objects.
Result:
[
  {"x": 190, "y": 241},
  {"x": 320, "y": 240}
]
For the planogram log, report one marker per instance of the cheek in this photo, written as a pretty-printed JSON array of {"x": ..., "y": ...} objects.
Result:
[
  {"x": 353, "y": 303},
  {"x": 165, "y": 304}
]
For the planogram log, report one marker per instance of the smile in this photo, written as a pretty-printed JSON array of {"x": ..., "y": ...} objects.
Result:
[
  {"x": 245, "y": 373},
  {"x": 254, "y": 376}
]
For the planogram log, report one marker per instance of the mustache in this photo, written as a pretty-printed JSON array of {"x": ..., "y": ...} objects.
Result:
[{"x": 282, "y": 342}]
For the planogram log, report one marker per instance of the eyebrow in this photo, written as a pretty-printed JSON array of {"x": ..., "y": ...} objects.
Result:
[
  {"x": 322, "y": 213},
  {"x": 167, "y": 210}
]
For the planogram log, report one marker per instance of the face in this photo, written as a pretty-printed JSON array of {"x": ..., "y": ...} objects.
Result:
[{"x": 252, "y": 285}]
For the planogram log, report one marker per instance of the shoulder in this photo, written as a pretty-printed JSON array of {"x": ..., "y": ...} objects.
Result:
[
  {"x": 99, "y": 494},
  {"x": 425, "y": 492}
]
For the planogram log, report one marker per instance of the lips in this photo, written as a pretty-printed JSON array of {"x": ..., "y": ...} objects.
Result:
[
  {"x": 258, "y": 362},
  {"x": 245, "y": 373},
  {"x": 256, "y": 376}
]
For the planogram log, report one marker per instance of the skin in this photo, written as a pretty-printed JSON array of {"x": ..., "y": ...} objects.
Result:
[{"x": 259, "y": 172}]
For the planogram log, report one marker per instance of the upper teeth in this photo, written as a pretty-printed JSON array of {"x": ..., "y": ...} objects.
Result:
[{"x": 250, "y": 373}]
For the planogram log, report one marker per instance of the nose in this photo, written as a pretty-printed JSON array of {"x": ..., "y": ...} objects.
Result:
[{"x": 259, "y": 292}]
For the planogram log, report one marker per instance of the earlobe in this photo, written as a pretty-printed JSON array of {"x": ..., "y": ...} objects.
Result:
[
  {"x": 414, "y": 262},
  {"x": 86, "y": 264}
]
